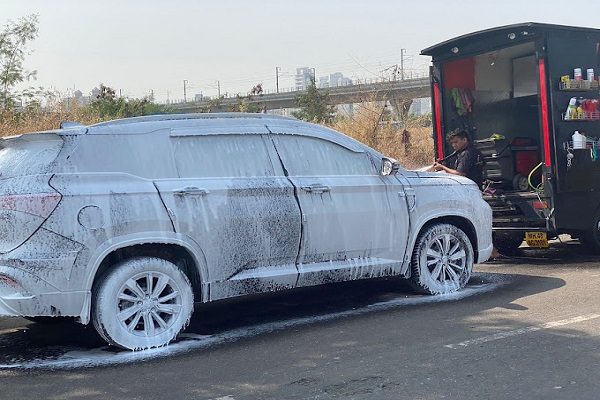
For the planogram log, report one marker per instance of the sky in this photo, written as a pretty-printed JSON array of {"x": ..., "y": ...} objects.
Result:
[{"x": 143, "y": 47}]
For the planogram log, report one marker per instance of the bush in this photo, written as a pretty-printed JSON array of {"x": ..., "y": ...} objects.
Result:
[{"x": 370, "y": 124}]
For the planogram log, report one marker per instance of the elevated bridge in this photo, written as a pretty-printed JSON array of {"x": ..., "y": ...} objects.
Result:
[{"x": 400, "y": 92}]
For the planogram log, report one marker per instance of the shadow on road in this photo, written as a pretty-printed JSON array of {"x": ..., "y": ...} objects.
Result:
[{"x": 560, "y": 251}]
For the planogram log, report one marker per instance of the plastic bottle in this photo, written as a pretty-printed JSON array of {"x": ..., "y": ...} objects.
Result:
[
  {"x": 579, "y": 140},
  {"x": 571, "y": 109}
]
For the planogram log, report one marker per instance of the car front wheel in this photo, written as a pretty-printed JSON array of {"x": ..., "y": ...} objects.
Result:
[
  {"x": 141, "y": 303},
  {"x": 442, "y": 260}
]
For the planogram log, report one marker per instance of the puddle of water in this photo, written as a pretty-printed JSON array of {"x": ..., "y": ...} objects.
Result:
[{"x": 480, "y": 283}]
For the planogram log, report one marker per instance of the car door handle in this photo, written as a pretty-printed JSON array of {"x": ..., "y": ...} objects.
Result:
[
  {"x": 193, "y": 190},
  {"x": 316, "y": 188}
]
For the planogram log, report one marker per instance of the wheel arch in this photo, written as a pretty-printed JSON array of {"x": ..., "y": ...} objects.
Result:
[
  {"x": 173, "y": 253},
  {"x": 460, "y": 222},
  {"x": 185, "y": 255}
]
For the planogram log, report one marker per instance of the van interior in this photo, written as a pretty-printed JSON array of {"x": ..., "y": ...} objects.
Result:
[{"x": 494, "y": 97}]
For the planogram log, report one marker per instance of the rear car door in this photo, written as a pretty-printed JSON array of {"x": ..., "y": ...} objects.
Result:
[
  {"x": 354, "y": 221},
  {"x": 238, "y": 207}
]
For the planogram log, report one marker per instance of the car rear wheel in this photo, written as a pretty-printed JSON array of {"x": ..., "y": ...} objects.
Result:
[
  {"x": 442, "y": 260},
  {"x": 142, "y": 303}
]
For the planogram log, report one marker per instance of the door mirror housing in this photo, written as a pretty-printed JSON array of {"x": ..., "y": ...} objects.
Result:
[{"x": 389, "y": 166}]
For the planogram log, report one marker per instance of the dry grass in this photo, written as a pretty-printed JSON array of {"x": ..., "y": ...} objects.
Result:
[
  {"x": 365, "y": 126},
  {"x": 36, "y": 120}
]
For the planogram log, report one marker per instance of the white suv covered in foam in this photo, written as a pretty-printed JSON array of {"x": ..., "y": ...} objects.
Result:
[{"x": 127, "y": 223}]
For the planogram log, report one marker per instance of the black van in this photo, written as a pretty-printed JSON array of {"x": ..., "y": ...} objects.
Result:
[{"x": 521, "y": 92}]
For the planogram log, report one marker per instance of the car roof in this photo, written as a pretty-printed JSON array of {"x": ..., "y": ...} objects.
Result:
[{"x": 211, "y": 124}]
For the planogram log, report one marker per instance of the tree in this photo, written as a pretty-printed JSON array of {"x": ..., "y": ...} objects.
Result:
[
  {"x": 108, "y": 105},
  {"x": 313, "y": 105},
  {"x": 13, "y": 49}
]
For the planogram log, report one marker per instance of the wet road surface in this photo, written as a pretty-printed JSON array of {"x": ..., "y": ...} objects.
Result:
[{"x": 526, "y": 327}]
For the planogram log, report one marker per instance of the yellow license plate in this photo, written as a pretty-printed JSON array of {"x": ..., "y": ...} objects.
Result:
[{"x": 536, "y": 239}]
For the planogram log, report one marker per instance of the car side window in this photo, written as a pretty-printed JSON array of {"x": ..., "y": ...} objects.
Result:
[
  {"x": 308, "y": 156},
  {"x": 145, "y": 156},
  {"x": 222, "y": 156}
]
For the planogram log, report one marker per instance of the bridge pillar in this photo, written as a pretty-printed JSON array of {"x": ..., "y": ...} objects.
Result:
[{"x": 401, "y": 106}]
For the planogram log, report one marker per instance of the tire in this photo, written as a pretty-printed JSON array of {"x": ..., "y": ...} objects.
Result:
[
  {"x": 442, "y": 260},
  {"x": 508, "y": 244},
  {"x": 590, "y": 239},
  {"x": 142, "y": 303},
  {"x": 520, "y": 183}
]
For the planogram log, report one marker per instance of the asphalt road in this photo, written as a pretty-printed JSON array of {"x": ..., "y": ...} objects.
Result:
[{"x": 526, "y": 328}]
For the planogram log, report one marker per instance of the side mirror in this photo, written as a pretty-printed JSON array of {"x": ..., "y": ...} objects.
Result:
[{"x": 389, "y": 166}]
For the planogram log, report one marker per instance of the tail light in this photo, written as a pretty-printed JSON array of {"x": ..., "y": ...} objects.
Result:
[{"x": 22, "y": 214}]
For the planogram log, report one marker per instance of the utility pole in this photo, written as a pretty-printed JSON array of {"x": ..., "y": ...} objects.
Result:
[
  {"x": 184, "y": 92},
  {"x": 402, "y": 64},
  {"x": 277, "y": 77},
  {"x": 219, "y": 89}
]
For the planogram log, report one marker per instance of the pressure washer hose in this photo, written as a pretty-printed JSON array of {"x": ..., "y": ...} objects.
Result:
[{"x": 529, "y": 179}]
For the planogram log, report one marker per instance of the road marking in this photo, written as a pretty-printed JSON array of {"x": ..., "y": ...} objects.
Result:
[
  {"x": 516, "y": 332},
  {"x": 11, "y": 330}
]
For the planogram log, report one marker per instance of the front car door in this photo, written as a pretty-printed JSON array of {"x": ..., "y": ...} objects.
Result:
[{"x": 354, "y": 221}]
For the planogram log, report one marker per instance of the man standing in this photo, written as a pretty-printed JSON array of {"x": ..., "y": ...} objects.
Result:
[{"x": 469, "y": 160}]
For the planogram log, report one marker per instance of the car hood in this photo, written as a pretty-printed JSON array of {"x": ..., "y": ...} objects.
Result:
[{"x": 442, "y": 175}]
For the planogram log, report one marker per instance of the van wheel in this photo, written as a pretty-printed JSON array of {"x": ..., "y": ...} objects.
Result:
[
  {"x": 442, "y": 260},
  {"x": 141, "y": 303},
  {"x": 508, "y": 244},
  {"x": 590, "y": 239}
]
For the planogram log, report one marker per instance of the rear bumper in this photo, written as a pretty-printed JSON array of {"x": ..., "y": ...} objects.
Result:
[
  {"x": 514, "y": 212},
  {"x": 37, "y": 297}
]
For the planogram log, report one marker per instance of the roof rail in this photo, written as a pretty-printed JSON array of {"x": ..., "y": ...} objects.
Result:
[
  {"x": 70, "y": 124},
  {"x": 172, "y": 117}
]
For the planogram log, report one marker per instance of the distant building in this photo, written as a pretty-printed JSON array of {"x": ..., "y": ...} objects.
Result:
[
  {"x": 420, "y": 106},
  {"x": 324, "y": 82},
  {"x": 95, "y": 93},
  {"x": 303, "y": 77},
  {"x": 334, "y": 80}
]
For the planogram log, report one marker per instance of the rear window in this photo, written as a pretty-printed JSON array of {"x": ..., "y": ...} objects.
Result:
[
  {"x": 147, "y": 156},
  {"x": 28, "y": 154}
]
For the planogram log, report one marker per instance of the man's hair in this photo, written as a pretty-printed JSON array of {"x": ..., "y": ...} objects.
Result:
[{"x": 457, "y": 133}]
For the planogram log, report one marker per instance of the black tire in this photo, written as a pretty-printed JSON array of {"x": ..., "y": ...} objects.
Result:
[
  {"x": 520, "y": 183},
  {"x": 442, "y": 260},
  {"x": 590, "y": 239},
  {"x": 508, "y": 244},
  {"x": 141, "y": 303}
]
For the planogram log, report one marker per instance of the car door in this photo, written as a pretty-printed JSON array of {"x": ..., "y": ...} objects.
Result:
[
  {"x": 354, "y": 221},
  {"x": 238, "y": 207}
]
